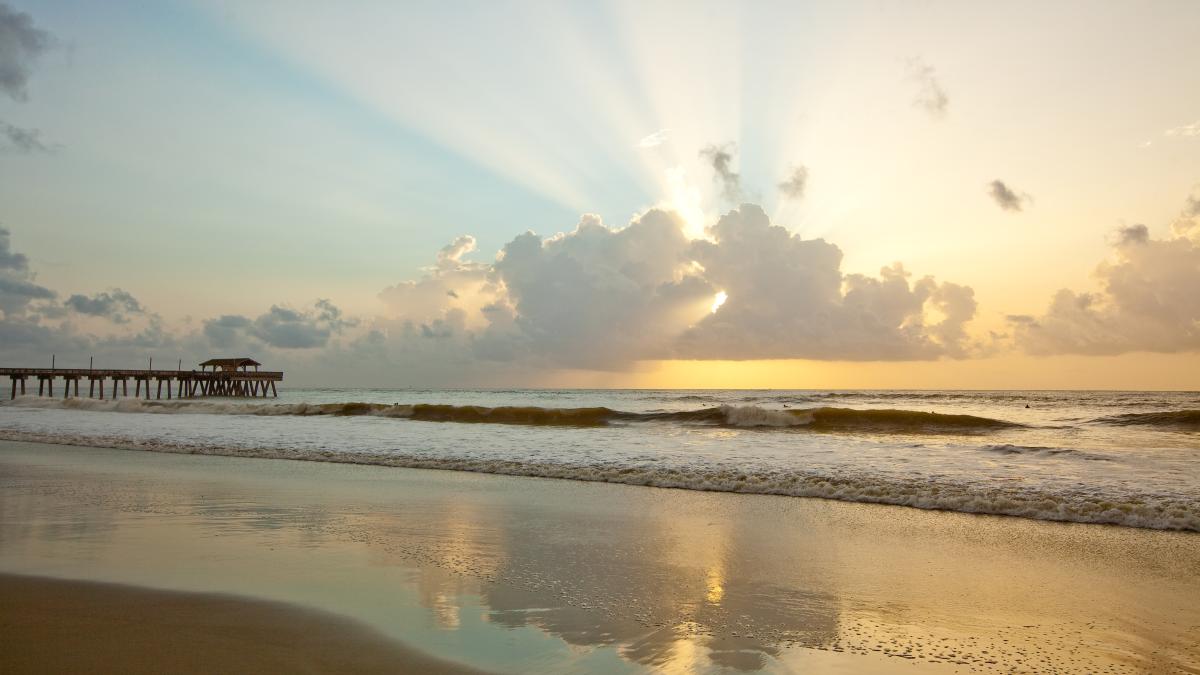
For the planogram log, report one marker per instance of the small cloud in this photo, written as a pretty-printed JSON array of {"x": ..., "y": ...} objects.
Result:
[
  {"x": 450, "y": 256},
  {"x": 930, "y": 96},
  {"x": 720, "y": 157},
  {"x": 20, "y": 45},
  {"x": 655, "y": 139},
  {"x": 21, "y": 140},
  {"x": 1007, "y": 198},
  {"x": 1132, "y": 234},
  {"x": 1145, "y": 144},
  {"x": 794, "y": 186},
  {"x": 1185, "y": 131}
]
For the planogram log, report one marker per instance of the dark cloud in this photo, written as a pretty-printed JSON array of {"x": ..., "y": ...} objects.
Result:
[
  {"x": 278, "y": 327},
  {"x": 226, "y": 331},
  {"x": 21, "y": 140},
  {"x": 796, "y": 183},
  {"x": 287, "y": 328},
  {"x": 1005, "y": 197},
  {"x": 1132, "y": 234},
  {"x": 930, "y": 95},
  {"x": 16, "y": 294},
  {"x": 10, "y": 260},
  {"x": 114, "y": 305},
  {"x": 17, "y": 287},
  {"x": 720, "y": 157},
  {"x": 1191, "y": 208},
  {"x": 21, "y": 43}
]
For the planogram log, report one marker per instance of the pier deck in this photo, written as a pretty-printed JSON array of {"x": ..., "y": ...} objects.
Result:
[{"x": 179, "y": 383}]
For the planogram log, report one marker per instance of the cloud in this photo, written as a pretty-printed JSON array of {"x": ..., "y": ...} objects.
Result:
[
  {"x": 451, "y": 283},
  {"x": 598, "y": 297},
  {"x": 20, "y": 45},
  {"x": 450, "y": 257},
  {"x": 11, "y": 261},
  {"x": 1132, "y": 234},
  {"x": 17, "y": 288},
  {"x": 788, "y": 298},
  {"x": 1007, "y": 198},
  {"x": 605, "y": 298},
  {"x": 1185, "y": 131},
  {"x": 930, "y": 95},
  {"x": 655, "y": 139},
  {"x": 720, "y": 157},
  {"x": 595, "y": 297},
  {"x": 797, "y": 181},
  {"x": 279, "y": 327},
  {"x": 21, "y": 140},
  {"x": 114, "y": 305},
  {"x": 227, "y": 331},
  {"x": 1149, "y": 299}
]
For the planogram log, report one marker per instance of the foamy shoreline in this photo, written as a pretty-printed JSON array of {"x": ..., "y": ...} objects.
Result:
[{"x": 1147, "y": 511}]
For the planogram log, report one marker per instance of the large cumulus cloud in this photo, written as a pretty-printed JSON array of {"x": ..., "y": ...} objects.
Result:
[
  {"x": 604, "y": 298},
  {"x": 1149, "y": 298},
  {"x": 788, "y": 298},
  {"x": 599, "y": 297}
]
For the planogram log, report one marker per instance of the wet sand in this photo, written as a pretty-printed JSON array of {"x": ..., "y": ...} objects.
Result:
[
  {"x": 52, "y": 625},
  {"x": 534, "y": 575}
]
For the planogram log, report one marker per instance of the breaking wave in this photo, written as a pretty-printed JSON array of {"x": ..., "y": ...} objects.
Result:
[
  {"x": 1185, "y": 420},
  {"x": 748, "y": 416},
  {"x": 1141, "y": 510}
]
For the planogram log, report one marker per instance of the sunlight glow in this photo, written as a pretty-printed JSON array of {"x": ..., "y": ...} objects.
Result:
[
  {"x": 719, "y": 300},
  {"x": 685, "y": 200}
]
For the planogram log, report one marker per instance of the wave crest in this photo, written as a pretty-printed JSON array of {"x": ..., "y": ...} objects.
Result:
[
  {"x": 1187, "y": 420},
  {"x": 747, "y": 416}
]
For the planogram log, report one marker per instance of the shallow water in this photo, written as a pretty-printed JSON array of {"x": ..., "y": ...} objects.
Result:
[
  {"x": 1125, "y": 458},
  {"x": 522, "y": 575}
]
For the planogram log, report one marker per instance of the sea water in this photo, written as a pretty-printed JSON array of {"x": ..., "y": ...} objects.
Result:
[{"x": 1122, "y": 458}]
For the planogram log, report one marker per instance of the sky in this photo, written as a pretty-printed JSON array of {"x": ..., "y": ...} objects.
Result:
[{"x": 586, "y": 194}]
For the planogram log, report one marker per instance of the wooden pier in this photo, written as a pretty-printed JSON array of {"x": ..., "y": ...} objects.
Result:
[{"x": 227, "y": 377}]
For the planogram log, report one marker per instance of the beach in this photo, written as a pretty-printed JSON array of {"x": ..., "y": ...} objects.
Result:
[
  {"x": 52, "y": 625},
  {"x": 512, "y": 574}
]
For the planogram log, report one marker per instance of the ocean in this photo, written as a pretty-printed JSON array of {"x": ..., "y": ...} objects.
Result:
[{"x": 1121, "y": 458}]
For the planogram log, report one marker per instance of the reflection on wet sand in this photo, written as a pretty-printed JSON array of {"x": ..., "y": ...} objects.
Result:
[{"x": 479, "y": 567}]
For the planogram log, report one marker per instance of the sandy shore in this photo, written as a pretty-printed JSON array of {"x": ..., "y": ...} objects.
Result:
[
  {"x": 54, "y": 625},
  {"x": 533, "y": 575}
]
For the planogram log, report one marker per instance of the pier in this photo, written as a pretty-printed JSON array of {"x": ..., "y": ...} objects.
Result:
[{"x": 216, "y": 377}]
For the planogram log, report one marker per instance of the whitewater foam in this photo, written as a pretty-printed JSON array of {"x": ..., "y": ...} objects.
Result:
[
  {"x": 1080, "y": 506},
  {"x": 1067, "y": 457}
]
